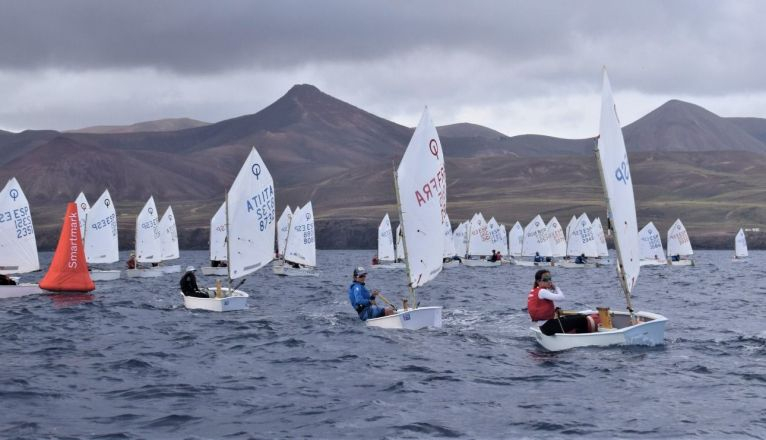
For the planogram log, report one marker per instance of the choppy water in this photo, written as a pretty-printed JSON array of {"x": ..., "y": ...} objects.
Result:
[{"x": 131, "y": 362}]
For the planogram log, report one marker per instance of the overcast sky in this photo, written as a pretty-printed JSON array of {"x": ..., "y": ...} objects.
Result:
[{"x": 515, "y": 66}]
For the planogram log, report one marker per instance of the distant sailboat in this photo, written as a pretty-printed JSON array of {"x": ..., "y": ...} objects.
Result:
[
  {"x": 625, "y": 328},
  {"x": 169, "y": 240},
  {"x": 557, "y": 239},
  {"x": 536, "y": 244},
  {"x": 283, "y": 226},
  {"x": 68, "y": 271},
  {"x": 217, "y": 244},
  {"x": 515, "y": 241},
  {"x": 601, "y": 249},
  {"x": 581, "y": 242},
  {"x": 250, "y": 232},
  {"x": 300, "y": 257},
  {"x": 386, "y": 252},
  {"x": 148, "y": 248},
  {"x": 401, "y": 254},
  {"x": 740, "y": 246},
  {"x": 100, "y": 237},
  {"x": 449, "y": 246},
  {"x": 422, "y": 219},
  {"x": 652, "y": 253},
  {"x": 460, "y": 239},
  {"x": 18, "y": 247},
  {"x": 479, "y": 244},
  {"x": 679, "y": 245}
]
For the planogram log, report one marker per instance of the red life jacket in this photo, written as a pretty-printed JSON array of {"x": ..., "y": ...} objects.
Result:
[{"x": 539, "y": 309}]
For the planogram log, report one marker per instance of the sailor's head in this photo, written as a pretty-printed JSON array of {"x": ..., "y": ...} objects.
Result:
[
  {"x": 359, "y": 273},
  {"x": 190, "y": 268}
]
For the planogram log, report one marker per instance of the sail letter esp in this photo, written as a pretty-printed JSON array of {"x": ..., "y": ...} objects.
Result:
[{"x": 68, "y": 271}]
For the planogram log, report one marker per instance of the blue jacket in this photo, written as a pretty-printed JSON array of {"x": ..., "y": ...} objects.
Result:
[{"x": 358, "y": 295}]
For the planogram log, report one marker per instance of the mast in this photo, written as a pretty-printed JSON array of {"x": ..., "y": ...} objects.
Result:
[
  {"x": 618, "y": 266},
  {"x": 406, "y": 254}
]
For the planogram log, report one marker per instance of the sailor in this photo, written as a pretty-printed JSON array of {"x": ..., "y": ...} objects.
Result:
[
  {"x": 5, "y": 280},
  {"x": 131, "y": 263},
  {"x": 189, "y": 284},
  {"x": 581, "y": 259},
  {"x": 538, "y": 258},
  {"x": 544, "y": 312},
  {"x": 362, "y": 300}
]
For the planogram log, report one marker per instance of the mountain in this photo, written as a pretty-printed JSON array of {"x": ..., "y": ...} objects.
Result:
[
  {"x": 172, "y": 124},
  {"x": 755, "y": 127},
  {"x": 466, "y": 130}
]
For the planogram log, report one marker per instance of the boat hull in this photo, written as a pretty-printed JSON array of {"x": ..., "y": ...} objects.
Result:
[
  {"x": 481, "y": 263},
  {"x": 215, "y": 271},
  {"x": 388, "y": 266},
  {"x": 19, "y": 290},
  {"x": 649, "y": 333},
  {"x": 527, "y": 263},
  {"x": 451, "y": 265},
  {"x": 176, "y": 268},
  {"x": 682, "y": 263},
  {"x": 289, "y": 271},
  {"x": 653, "y": 263},
  {"x": 105, "y": 275},
  {"x": 571, "y": 265},
  {"x": 153, "y": 272},
  {"x": 228, "y": 303},
  {"x": 410, "y": 319}
]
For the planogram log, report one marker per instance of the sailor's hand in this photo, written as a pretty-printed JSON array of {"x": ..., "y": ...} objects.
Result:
[{"x": 375, "y": 292}]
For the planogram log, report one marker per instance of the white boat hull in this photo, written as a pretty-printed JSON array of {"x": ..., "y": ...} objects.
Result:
[
  {"x": 228, "y": 303},
  {"x": 176, "y": 268},
  {"x": 739, "y": 259},
  {"x": 527, "y": 263},
  {"x": 153, "y": 272},
  {"x": 289, "y": 271},
  {"x": 682, "y": 263},
  {"x": 481, "y": 263},
  {"x": 19, "y": 290},
  {"x": 653, "y": 263},
  {"x": 410, "y": 319},
  {"x": 572, "y": 265},
  {"x": 388, "y": 266},
  {"x": 105, "y": 275},
  {"x": 650, "y": 332},
  {"x": 215, "y": 271},
  {"x": 451, "y": 265}
]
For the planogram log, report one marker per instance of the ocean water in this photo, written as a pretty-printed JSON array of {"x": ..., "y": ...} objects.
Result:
[{"x": 129, "y": 361}]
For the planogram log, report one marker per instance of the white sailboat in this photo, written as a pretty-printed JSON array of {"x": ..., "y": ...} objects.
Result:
[
  {"x": 148, "y": 247},
  {"x": 283, "y": 227},
  {"x": 479, "y": 244},
  {"x": 515, "y": 241},
  {"x": 652, "y": 253},
  {"x": 169, "y": 240},
  {"x": 740, "y": 246},
  {"x": 497, "y": 236},
  {"x": 570, "y": 225},
  {"x": 421, "y": 192},
  {"x": 679, "y": 245},
  {"x": 536, "y": 243},
  {"x": 627, "y": 328},
  {"x": 557, "y": 240},
  {"x": 100, "y": 236},
  {"x": 460, "y": 239},
  {"x": 217, "y": 244},
  {"x": 401, "y": 254},
  {"x": 18, "y": 246},
  {"x": 601, "y": 249},
  {"x": 300, "y": 257},
  {"x": 581, "y": 242},
  {"x": 386, "y": 252},
  {"x": 250, "y": 232},
  {"x": 83, "y": 207},
  {"x": 449, "y": 246}
]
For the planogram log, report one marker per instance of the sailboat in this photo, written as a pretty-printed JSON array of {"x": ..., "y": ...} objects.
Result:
[
  {"x": 283, "y": 227},
  {"x": 497, "y": 236},
  {"x": 300, "y": 259},
  {"x": 100, "y": 236},
  {"x": 217, "y": 244},
  {"x": 580, "y": 242},
  {"x": 148, "y": 249},
  {"x": 401, "y": 254},
  {"x": 68, "y": 271},
  {"x": 629, "y": 327},
  {"x": 601, "y": 249},
  {"x": 536, "y": 243},
  {"x": 515, "y": 242},
  {"x": 250, "y": 233},
  {"x": 479, "y": 244},
  {"x": 18, "y": 247},
  {"x": 421, "y": 193},
  {"x": 449, "y": 246},
  {"x": 169, "y": 240},
  {"x": 679, "y": 246},
  {"x": 740, "y": 246},
  {"x": 386, "y": 252},
  {"x": 460, "y": 239},
  {"x": 652, "y": 253},
  {"x": 557, "y": 240}
]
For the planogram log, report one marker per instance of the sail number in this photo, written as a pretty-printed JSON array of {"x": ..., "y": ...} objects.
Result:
[
  {"x": 264, "y": 207},
  {"x": 21, "y": 219},
  {"x": 106, "y": 222},
  {"x": 308, "y": 233}
]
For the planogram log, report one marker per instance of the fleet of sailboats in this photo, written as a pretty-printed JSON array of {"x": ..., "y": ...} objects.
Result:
[{"x": 300, "y": 255}]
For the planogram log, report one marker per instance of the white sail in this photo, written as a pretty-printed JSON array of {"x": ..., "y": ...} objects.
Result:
[
  {"x": 496, "y": 235},
  {"x": 386, "y": 240},
  {"x": 101, "y": 243},
  {"x": 536, "y": 239},
  {"x": 618, "y": 188},
  {"x": 570, "y": 225},
  {"x": 598, "y": 231},
  {"x": 516, "y": 240},
  {"x": 82, "y": 211},
  {"x": 740, "y": 244},
  {"x": 582, "y": 240},
  {"x": 301, "y": 242},
  {"x": 148, "y": 238},
  {"x": 400, "y": 255},
  {"x": 678, "y": 240},
  {"x": 283, "y": 224},
  {"x": 422, "y": 194},
  {"x": 449, "y": 240},
  {"x": 504, "y": 247},
  {"x": 218, "y": 235},
  {"x": 18, "y": 247},
  {"x": 480, "y": 241},
  {"x": 169, "y": 235},
  {"x": 651, "y": 243},
  {"x": 251, "y": 218},
  {"x": 459, "y": 236},
  {"x": 556, "y": 238}
]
